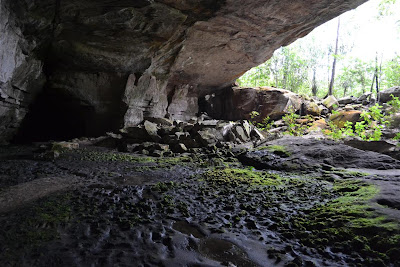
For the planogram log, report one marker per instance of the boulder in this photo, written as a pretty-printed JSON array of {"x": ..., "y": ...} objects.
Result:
[
  {"x": 347, "y": 100},
  {"x": 160, "y": 121},
  {"x": 151, "y": 129},
  {"x": 330, "y": 102},
  {"x": 318, "y": 125},
  {"x": 394, "y": 120},
  {"x": 240, "y": 133},
  {"x": 340, "y": 118},
  {"x": 256, "y": 134},
  {"x": 208, "y": 136},
  {"x": 57, "y": 146},
  {"x": 237, "y": 103},
  {"x": 385, "y": 96},
  {"x": 364, "y": 97},
  {"x": 311, "y": 108}
]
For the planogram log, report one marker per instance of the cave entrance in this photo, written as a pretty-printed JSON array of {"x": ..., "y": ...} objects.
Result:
[{"x": 57, "y": 116}]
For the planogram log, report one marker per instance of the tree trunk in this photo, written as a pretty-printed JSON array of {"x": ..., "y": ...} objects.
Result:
[
  {"x": 330, "y": 92},
  {"x": 314, "y": 88},
  {"x": 373, "y": 81}
]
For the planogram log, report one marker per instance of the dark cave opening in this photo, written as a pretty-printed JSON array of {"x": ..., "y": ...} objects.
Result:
[{"x": 57, "y": 115}]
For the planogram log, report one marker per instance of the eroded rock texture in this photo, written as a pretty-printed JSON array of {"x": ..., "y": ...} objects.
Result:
[{"x": 111, "y": 63}]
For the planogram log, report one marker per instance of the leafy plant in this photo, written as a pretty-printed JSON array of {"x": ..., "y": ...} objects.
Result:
[
  {"x": 370, "y": 129},
  {"x": 395, "y": 104},
  {"x": 294, "y": 128},
  {"x": 265, "y": 125}
]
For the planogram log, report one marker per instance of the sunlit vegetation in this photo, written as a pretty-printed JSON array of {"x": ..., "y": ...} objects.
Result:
[{"x": 305, "y": 67}]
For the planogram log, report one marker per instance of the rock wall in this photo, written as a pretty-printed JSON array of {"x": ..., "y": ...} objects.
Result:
[{"x": 133, "y": 59}]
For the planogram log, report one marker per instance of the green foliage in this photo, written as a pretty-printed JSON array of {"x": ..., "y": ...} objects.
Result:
[
  {"x": 288, "y": 68},
  {"x": 264, "y": 125},
  {"x": 294, "y": 128},
  {"x": 370, "y": 129},
  {"x": 395, "y": 104}
]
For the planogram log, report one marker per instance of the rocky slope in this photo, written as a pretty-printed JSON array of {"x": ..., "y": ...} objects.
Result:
[{"x": 100, "y": 65}]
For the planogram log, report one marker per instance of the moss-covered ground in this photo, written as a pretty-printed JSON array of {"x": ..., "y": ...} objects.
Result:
[{"x": 298, "y": 220}]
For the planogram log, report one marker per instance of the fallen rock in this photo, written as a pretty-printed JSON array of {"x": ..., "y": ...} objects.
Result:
[
  {"x": 347, "y": 100},
  {"x": 341, "y": 117},
  {"x": 208, "y": 136},
  {"x": 237, "y": 103},
  {"x": 364, "y": 98},
  {"x": 385, "y": 95},
  {"x": 311, "y": 108},
  {"x": 394, "y": 120},
  {"x": 318, "y": 125},
  {"x": 330, "y": 102},
  {"x": 64, "y": 146},
  {"x": 160, "y": 121},
  {"x": 152, "y": 129}
]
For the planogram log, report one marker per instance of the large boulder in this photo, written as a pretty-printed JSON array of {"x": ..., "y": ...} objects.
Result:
[
  {"x": 331, "y": 102},
  {"x": 237, "y": 103},
  {"x": 341, "y": 117},
  {"x": 386, "y": 95}
]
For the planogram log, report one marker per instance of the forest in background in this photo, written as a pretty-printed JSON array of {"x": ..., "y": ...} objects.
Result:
[{"x": 335, "y": 55}]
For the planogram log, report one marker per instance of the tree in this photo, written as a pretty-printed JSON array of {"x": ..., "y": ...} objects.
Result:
[{"x": 330, "y": 92}]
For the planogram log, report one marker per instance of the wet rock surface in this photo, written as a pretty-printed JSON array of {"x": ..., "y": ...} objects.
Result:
[{"x": 202, "y": 207}]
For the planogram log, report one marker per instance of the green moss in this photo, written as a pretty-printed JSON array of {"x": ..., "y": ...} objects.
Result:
[
  {"x": 35, "y": 225},
  {"x": 347, "y": 223},
  {"x": 235, "y": 177},
  {"x": 276, "y": 149},
  {"x": 123, "y": 157},
  {"x": 279, "y": 150},
  {"x": 351, "y": 173}
]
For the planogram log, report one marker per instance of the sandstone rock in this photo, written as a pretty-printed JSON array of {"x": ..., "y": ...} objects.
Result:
[
  {"x": 318, "y": 125},
  {"x": 151, "y": 129},
  {"x": 324, "y": 110},
  {"x": 340, "y": 118},
  {"x": 313, "y": 154},
  {"x": 208, "y": 136},
  {"x": 330, "y": 102},
  {"x": 385, "y": 96},
  {"x": 224, "y": 127},
  {"x": 364, "y": 97},
  {"x": 311, "y": 108},
  {"x": 237, "y": 103},
  {"x": 160, "y": 121},
  {"x": 346, "y": 100},
  {"x": 394, "y": 120},
  {"x": 256, "y": 134},
  {"x": 180, "y": 148},
  {"x": 136, "y": 134},
  {"x": 240, "y": 133},
  {"x": 247, "y": 128},
  {"x": 209, "y": 123},
  {"x": 57, "y": 146}
]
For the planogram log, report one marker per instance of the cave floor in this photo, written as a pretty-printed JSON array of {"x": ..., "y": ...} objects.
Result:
[{"x": 97, "y": 207}]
